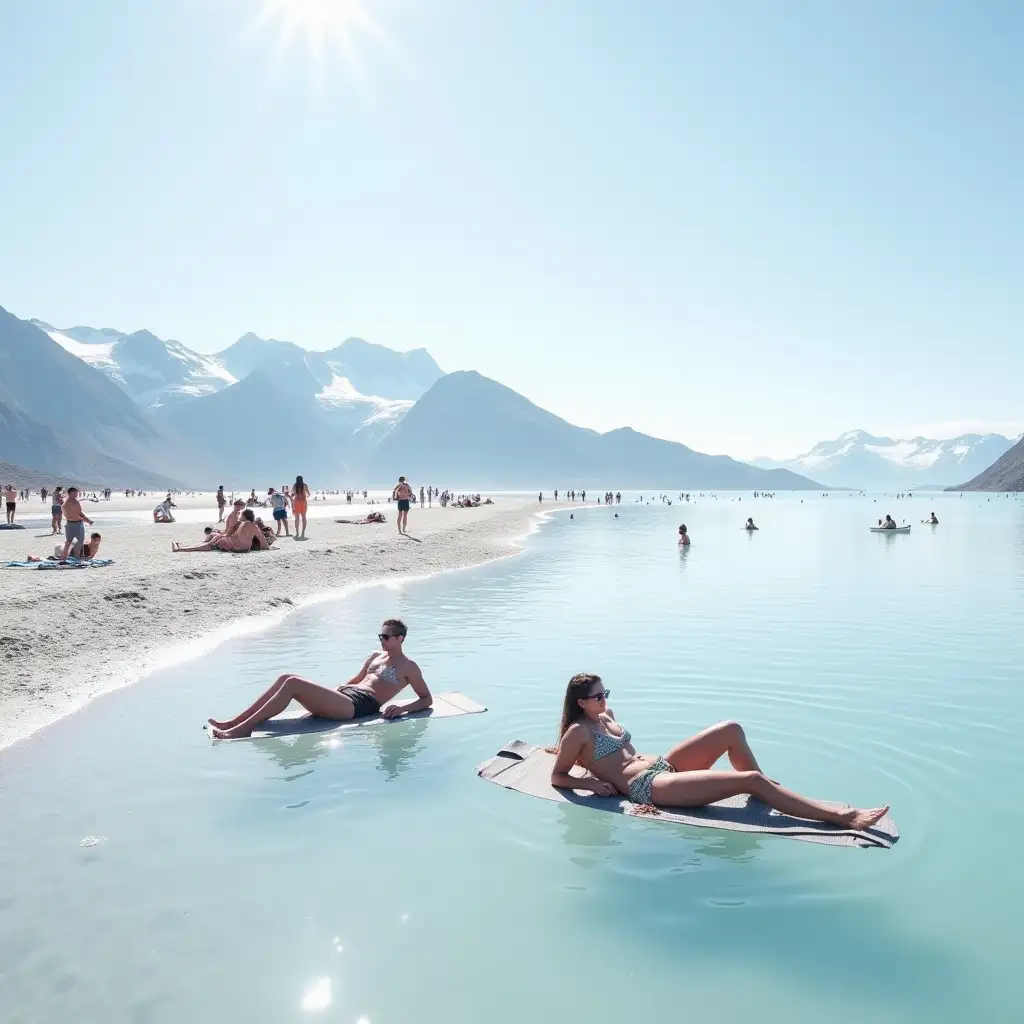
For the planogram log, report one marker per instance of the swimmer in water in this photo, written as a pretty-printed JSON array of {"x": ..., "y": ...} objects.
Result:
[
  {"x": 684, "y": 537},
  {"x": 750, "y": 525},
  {"x": 590, "y": 736}
]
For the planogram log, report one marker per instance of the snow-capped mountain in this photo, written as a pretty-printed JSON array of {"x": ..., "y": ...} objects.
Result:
[
  {"x": 153, "y": 372},
  {"x": 862, "y": 460}
]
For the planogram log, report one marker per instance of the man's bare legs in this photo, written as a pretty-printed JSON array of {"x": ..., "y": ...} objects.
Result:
[{"x": 316, "y": 699}]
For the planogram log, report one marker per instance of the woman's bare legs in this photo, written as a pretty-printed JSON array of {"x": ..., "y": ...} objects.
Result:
[
  {"x": 316, "y": 699},
  {"x": 302, "y": 516},
  {"x": 208, "y": 546},
  {"x": 700, "y": 787},
  {"x": 700, "y": 752}
]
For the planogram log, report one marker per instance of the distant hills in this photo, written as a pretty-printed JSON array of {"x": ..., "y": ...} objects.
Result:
[
  {"x": 60, "y": 415},
  {"x": 469, "y": 430},
  {"x": 861, "y": 460},
  {"x": 1005, "y": 474},
  {"x": 136, "y": 410}
]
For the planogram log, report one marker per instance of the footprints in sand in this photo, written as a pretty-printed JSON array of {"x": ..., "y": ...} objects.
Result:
[
  {"x": 276, "y": 602},
  {"x": 125, "y": 595}
]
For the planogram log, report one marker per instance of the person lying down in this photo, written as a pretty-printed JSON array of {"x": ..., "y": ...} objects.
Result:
[
  {"x": 684, "y": 777},
  {"x": 248, "y": 536},
  {"x": 384, "y": 674},
  {"x": 372, "y": 517}
]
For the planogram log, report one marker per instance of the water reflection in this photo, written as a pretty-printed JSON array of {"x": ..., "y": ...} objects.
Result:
[
  {"x": 589, "y": 830},
  {"x": 396, "y": 745}
]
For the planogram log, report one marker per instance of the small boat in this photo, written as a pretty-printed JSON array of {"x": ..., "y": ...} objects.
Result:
[{"x": 882, "y": 529}]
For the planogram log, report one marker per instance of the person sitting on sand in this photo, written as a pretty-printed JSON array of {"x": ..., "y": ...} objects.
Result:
[
  {"x": 92, "y": 549},
  {"x": 750, "y": 524},
  {"x": 684, "y": 537},
  {"x": 162, "y": 513},
  {"x": 590, "y": 736},
  {"x": 248, "y": 537},
  {"x": 384, "y": 674}
]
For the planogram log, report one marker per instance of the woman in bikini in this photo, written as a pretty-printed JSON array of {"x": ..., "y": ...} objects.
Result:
[
  {"x": 300, "y": 498},
  {"x": 685, "y": 777},
  {"x": 248, "y": 537}
]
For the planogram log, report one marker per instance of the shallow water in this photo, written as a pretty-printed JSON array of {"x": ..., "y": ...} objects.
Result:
[{"x": 375, "y": 878}]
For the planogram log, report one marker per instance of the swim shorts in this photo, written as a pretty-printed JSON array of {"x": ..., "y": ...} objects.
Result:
[
  {"x": 75, "y": 531},
  {"x": 364, "y": 702},
  {"x": 10, "y": 506},
  {"x": 640, "y": 785},
  {"x": 55, "y": 510},
  {"x": 403, "y": 504},
  {"x": 280, "y": 514}
]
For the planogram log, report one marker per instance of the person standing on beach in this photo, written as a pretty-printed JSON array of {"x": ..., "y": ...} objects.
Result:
[
  {"x": 403, "y": 495},
  {"x": 74, "y": 525},
  {"x": 56, "y": 509},
  {"x": 300, "y": 499},
  {"x": 423, "y": 498},
  {"x": 279, "y": 503},
  {"x": 221, "y": 503},
  {"x": 11, "y": 497}
]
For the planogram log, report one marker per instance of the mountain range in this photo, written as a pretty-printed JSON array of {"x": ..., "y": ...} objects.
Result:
[
  {"x": 858, "y": 459},
  {"x": 1005, "y": 474},
  {"x": 136, "y": 410}
]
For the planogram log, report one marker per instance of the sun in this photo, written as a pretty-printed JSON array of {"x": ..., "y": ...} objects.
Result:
[{"x": 320, "y": 26}]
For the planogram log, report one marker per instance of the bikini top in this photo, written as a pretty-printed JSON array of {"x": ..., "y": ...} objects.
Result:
[
  {"x": 604, "y": 744},
  {"x": 389, "y": 675}
]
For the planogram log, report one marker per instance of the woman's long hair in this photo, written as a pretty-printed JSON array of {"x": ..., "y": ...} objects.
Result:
[
  {"x": 300, "y": 488},
  {"x": 578, "y": 688}
]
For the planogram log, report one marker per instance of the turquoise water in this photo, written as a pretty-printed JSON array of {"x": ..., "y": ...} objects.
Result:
[{"x": 376, "y": 879}]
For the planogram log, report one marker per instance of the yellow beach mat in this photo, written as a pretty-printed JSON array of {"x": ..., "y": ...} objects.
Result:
[
  {"x": 527, "y": 769},
  {"x": 296, "y": 721}
]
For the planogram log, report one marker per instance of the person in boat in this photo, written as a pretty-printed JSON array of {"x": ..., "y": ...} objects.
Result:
[
  {"x": 889, "y": 524},
  {"x": 750, "y": 524},
  {"x": 384, "y": 674},
  {"x": 931, "y": 520},
  {"x": 590, "y": 736},
  {"x": 684, "y": 537}
]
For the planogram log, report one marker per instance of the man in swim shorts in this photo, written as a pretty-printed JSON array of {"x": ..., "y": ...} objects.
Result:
[
  {"x": 403, "y": 495},
  {"x": 74, "y": 525},
  {"x": 279, "y": 503},
  {"x": 384, "y": 674}
]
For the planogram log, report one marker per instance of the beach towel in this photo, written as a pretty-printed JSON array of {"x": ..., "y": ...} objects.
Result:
[
  {"x": 71, "y": 563},
  {"x": 11, "y": 526},
  {"x": 527, "y": 769},
  {"x": 297, "y": 721}
]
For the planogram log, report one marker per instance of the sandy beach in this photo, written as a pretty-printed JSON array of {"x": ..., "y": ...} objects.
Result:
[{"x": 68, "y": 635}]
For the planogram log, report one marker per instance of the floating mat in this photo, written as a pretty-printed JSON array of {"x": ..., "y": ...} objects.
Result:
[
  {"x": 527, "y": 769},
  {"x": 297, "y": 722}
]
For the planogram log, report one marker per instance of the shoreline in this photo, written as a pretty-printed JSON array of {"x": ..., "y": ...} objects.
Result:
[{"x": 72, "y": 635}]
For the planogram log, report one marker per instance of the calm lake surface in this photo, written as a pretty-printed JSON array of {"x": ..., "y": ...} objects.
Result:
[{"x": 374, "y": 878}]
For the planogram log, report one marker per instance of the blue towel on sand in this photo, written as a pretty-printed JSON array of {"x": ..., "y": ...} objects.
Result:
[{"x": 71, "y": 563}]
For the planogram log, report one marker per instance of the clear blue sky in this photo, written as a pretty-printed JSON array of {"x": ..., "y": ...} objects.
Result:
[{"x": 747, "y": 226}]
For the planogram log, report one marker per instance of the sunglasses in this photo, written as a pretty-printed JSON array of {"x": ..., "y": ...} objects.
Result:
[
  {"x": 387, "y": 636},
  {"x": 603, "y": 695}
]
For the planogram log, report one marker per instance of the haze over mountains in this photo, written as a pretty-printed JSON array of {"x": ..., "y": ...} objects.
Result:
[
  {"x": 141, "y": 411},
  {"x": 1005, "y": 474},
  {"x": 861, "y": 460}
]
